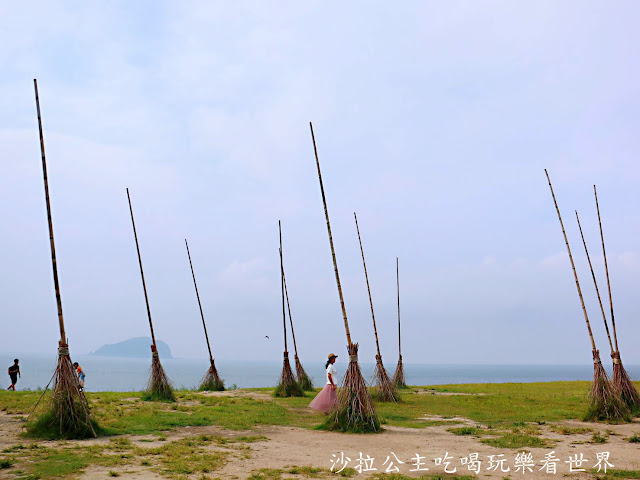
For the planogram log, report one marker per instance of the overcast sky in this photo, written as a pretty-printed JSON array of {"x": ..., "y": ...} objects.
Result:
[{"x": 434, "y": 122}]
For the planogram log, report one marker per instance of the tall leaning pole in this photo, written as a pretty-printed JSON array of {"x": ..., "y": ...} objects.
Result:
[
  {"x": 303, "y": 378},
  {"x": 385, "y": 389},
  {"x": 287, "y": 386},
  {"x": 355, "y": 411},
  {"x": 211, "y": 380},
  {"x": 69, "y": 415},
  {"x": 159, "y": 386},
  {"x": 398, "y": 377},
  {"x": 621, "y": 381}
]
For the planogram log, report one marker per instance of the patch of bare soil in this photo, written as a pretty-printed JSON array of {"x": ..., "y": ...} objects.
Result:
[
  {"x": 238, "y": 393},
  {"x": 430, "y": 391},
  {"x": 285, "y": 447}
]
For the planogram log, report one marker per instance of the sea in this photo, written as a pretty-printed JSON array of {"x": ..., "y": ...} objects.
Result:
[{"x": 132, "y": 374}]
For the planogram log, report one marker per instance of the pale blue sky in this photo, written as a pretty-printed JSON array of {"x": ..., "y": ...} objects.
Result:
[{"x": 434, "y": 121}]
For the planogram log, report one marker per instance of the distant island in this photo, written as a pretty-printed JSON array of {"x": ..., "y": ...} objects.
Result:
[{"x": 139, "y": 347}]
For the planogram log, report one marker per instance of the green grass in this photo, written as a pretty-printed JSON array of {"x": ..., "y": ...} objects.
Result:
[
  {"x": 45, "y": 462},
  {"x": 48, "y": 426},
  {"x": 465, "y": 431},
  {"x": 341, "y": 421},
  {"x": 497, "y": 405},
  {"x": 635, "y": 438},
  {"x": 185, "y": 457},
  {"x": 611, "y": 474},
  {"x": 597, "y": 437},
  {"x": 156, "y": 396},
  {"x": 517, "y": 440},
  {"x": 565, "y": 430},
  {"x": 304, "y": 472}
]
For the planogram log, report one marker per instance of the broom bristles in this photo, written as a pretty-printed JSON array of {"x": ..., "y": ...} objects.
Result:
[
  {"x": 303, "y": 379},
  {"x": 623, "y": 384},
  {"x": 211, "y": 380},
  {"x": 288, "y": 386},
  {"x": 385, "y": 389},
  {"x": 68, "y": 415},
  {"x": 398, "y": 377},
  {"x": 355, "y": 411},
  {"x": 605, "y": 402},
  {"x": 159, "y": 386}
]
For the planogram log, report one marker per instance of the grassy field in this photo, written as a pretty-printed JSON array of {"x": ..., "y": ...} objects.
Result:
[{"x": 506, "y": 415}]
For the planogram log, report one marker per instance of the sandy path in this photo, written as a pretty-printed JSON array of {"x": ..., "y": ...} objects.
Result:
[{"x": 293, "y": 446}]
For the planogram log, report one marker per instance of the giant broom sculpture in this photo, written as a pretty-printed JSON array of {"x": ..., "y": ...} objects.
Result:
[
  {"x": 211, "y": 379},
  {"x": 621, "y": 380},
  {"x": 355, "y": 411},
  {"x": 385, "y": 390},
  {"x": 303, "y": 379},
  {"x": 287, "y": 386},
  {"x": 159, "y": 386},
  {"x": 398, "y": 377},
  {"x": 605, "y": 404},
  {"x": 68, "y": 416}
]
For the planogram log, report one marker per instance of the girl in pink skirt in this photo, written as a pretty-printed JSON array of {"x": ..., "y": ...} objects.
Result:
[{"x": 327, "y": 399}]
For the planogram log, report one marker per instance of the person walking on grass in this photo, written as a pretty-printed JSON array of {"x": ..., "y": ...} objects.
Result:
[
  {"x": 81, "y": 375},
  {"x": 14, "y": 373},
  {"x": 327, "y": 399}
]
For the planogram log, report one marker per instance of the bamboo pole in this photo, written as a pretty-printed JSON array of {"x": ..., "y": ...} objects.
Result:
[
  {"x": 386, "y": 391},
  {"x": 573, "y": 266},
  {"x": 284, "y": 315},
  {"x": 303, "y": 378},
  {"x": 366, "y": 276},
  {"x": 54, "y": 263},
  {"x": 288, "y": 386},
  {"x": 69, "y": 410},
  {"x": 606, "y": 269},
  {"x": 593, "y": 275},
  {"x": 333, "y": 252},
  {"x": 355, "y": 411},
  {"x": 398, "y": 290},
  {"x": 154, "y": 347},
  {"x": 206, "y": 335},
  {"x": 286, "y": 294}
]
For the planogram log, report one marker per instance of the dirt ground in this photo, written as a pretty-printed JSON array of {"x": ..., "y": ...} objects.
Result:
[{"x": 286, "y": 447}]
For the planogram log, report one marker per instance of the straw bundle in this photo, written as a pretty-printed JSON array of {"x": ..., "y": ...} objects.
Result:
[
  {"x": 355, "y": 411},
  {"x": 159, "y": 386}
]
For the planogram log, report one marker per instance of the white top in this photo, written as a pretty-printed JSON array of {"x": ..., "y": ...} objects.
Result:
[{"x": 331, "y": 369}]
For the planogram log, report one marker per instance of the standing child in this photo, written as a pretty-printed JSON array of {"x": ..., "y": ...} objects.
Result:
[
  {"x": 14, "y": 373},
  {"x": 81, "y": 375}
]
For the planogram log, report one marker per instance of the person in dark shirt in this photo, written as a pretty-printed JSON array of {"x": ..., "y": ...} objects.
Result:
[{"x": 14, "y": 373}]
